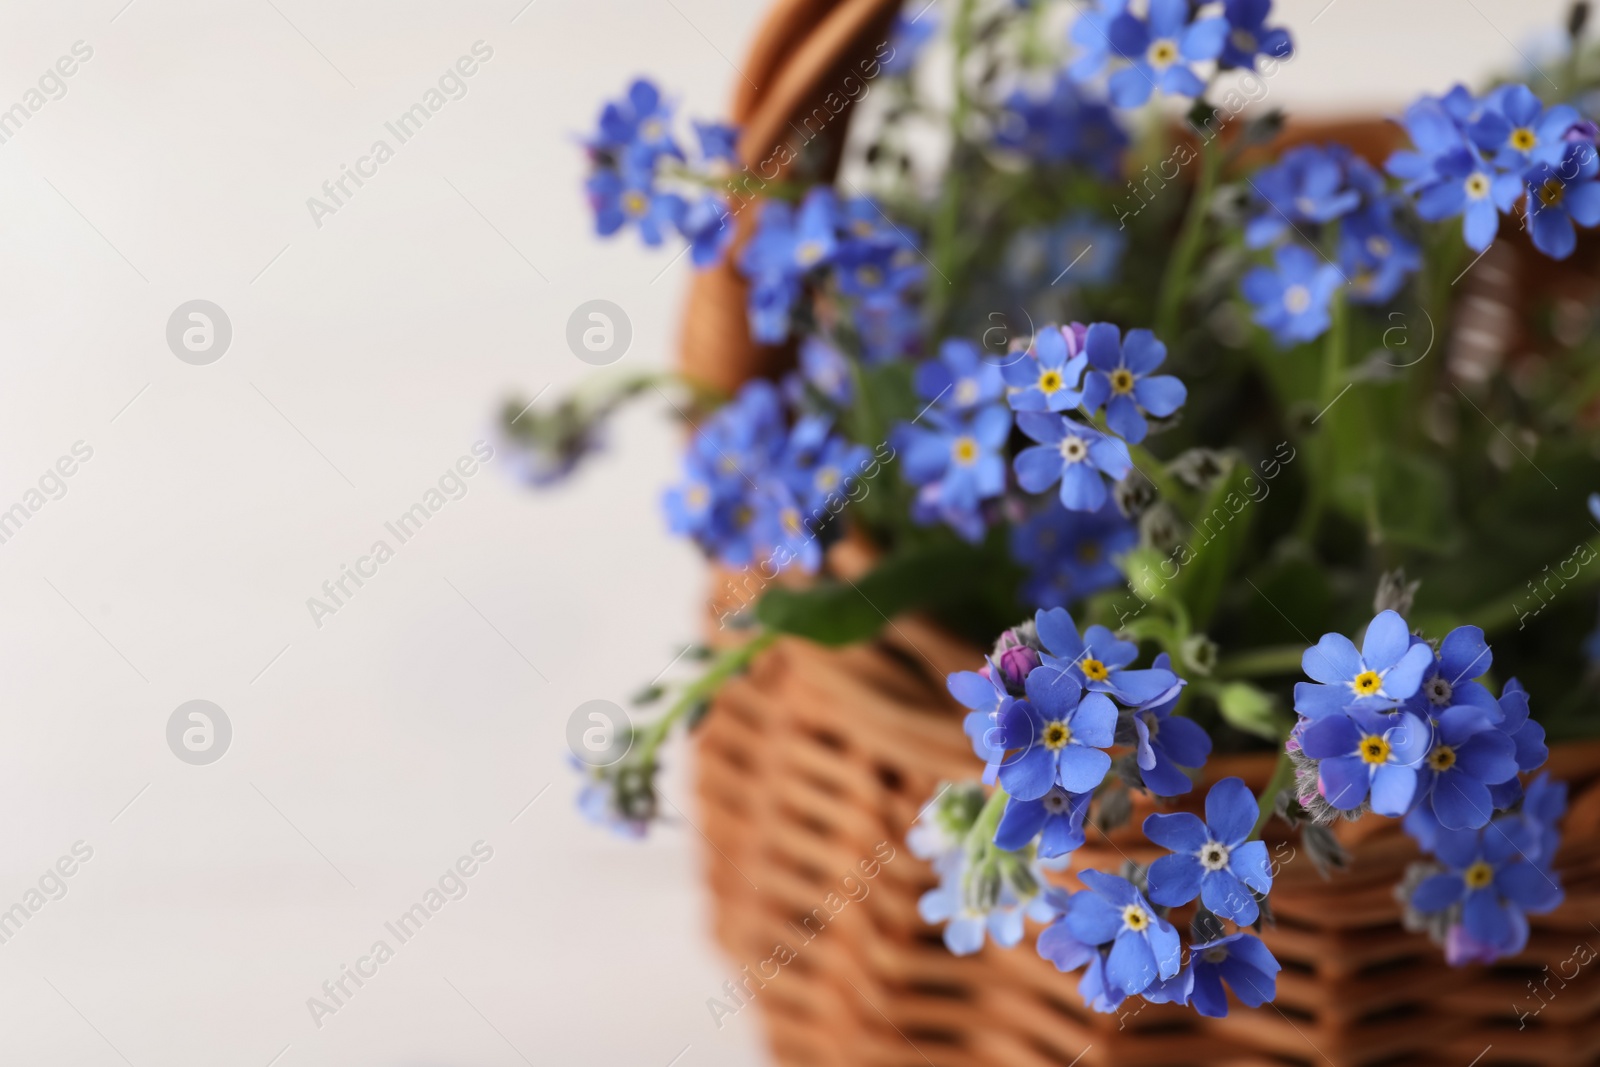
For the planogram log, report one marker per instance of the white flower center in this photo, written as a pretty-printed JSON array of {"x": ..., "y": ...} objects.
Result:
[
  {"x": 1439, "y": 691},
  {"x": 1057, "y": 801},
  {"x": 1213, "y": 855},
  {"x": 1297, "y": 298},
  {"x": 1074, "y": 449},
  {"x": 966, "y": 392}
]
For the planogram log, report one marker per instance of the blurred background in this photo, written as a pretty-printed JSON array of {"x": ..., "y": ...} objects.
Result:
[{"x": 371, "y": 751}]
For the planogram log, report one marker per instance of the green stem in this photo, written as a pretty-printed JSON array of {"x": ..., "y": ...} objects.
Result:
[
  {"x": 1282, "y": 775},
  {"x": 1174, "y": 285},
  {"x": 1284, "y": 659},
  {"x": 703, "y": 688},
  {"x": 948, "y": 221},
  {"x": 1333, "y": 362},
  {"x": 988, "y": 820}
]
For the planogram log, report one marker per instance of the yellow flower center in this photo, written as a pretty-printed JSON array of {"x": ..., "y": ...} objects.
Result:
[
  {"x": 1379, "y": 246},
  {"x": 1367, "y": 683},
  {"x": 861, "y": 228},
  {"x": 1374, "y": 749},
  {"x": 809, "y": 254},
  {"x": 1523, "y": 139},
  {"x": 1479, "y": 875},
  {"x": 1162, "y": 53},
  {"x": 1050, "y": 381},
  {"x": 1056, "y": 735},
  {"x": 1135, "y": 918},
  {"x": 869, "y": 276},
  {"x": 651, "y": 130},
  {"x": 634, "y": 203},
  {"x": 696, "y": 496},
  {"x": 791, "y": 520},
  {"x": 827, "y": 479},
  {"x": 1477, "y": 185},
  {"x": 1442, "y": 758},
  {"x": 1296, "y": 299},
  {"x": 1094, "y": 670},
  {"x": 1244, "y": 41},
  {"x": 1552, "y": 192},
  {"x": 1088, "y": 552},
  {"x": 964, "y": 451},
  {"x": 1122, "y": 381}
]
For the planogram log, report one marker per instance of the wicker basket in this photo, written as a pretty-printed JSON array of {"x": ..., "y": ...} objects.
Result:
[{"x": 813, "y": 766}]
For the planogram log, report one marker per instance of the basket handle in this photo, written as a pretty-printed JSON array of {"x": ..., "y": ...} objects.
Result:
[{"x": 803, "y": 52}]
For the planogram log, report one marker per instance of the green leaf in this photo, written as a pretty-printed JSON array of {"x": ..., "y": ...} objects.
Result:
[
  {"x": 1220, "y": 531},
  {"x": 843, "y": 613},
  {"x": 1253, "y": 710}
]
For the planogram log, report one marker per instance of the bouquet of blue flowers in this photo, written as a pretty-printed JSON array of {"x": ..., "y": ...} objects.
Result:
[{"x": 1085, "y": 339}]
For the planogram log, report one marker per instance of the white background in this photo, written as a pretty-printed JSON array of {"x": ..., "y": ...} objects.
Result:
[{"x": 370, "y": 753}]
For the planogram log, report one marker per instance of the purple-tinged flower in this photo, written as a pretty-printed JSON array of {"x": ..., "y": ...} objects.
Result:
[
  {"x": 1057, "y": 736},
  {"x": 1240, "y": 960},
  {"x": 719, "y": 142},
  {"x": 1056, "y": 819},
  {"x": 1310, "y": 185},
  {"x": 638, "y": 128},
  {"x": 1047, "y": 376},
  {"x": 1097, "y": 660},
  {"x": 1213, "y": 860},
  {"x": 1494, "y": 887},
  {"x": 1467, "y": 756},
  {"x": 1057, "y": 944},
  {"x": 1071, "y": 554},
  {"x": 1144, "y": 947},
  {"x": 1120, "y": 380},
  {"x": 985, "y": 694},
  {"x": 708, "y": 228},
  {"x": 1249, "y": 35},
  {"x": 1362, "y": 752},
  {"x": 1388, "y": 670},
  {"x": 1078, "y": 456},
  {"x": 1064, "y": 127},
  {"x": 1167, "y": 744},
  {"x": 1448, "y": 679},
  {"x": 1559, "y": 196}
]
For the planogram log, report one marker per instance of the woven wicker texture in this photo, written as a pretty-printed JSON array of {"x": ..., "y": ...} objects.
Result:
[
  {"x": 817, "y": 762},
  {"x": 813, "y": 766}
]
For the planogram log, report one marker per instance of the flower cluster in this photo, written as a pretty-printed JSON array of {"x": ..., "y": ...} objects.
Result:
[
  {"x": 1088, "y": 370},
  {"x": 1044, "y": 711},
  {"x": 1478, "y": 157},
  {"x": 1325, "y": 194},
  {"x": 1158, "y": 52},
  {"x": 870, "y": 261},
  {"x": 1477, "y": 894},
  {"x": 642, "y": 177},
  {"x": 756, "y": 489},
  {"x": 1407, "y": 730}
]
